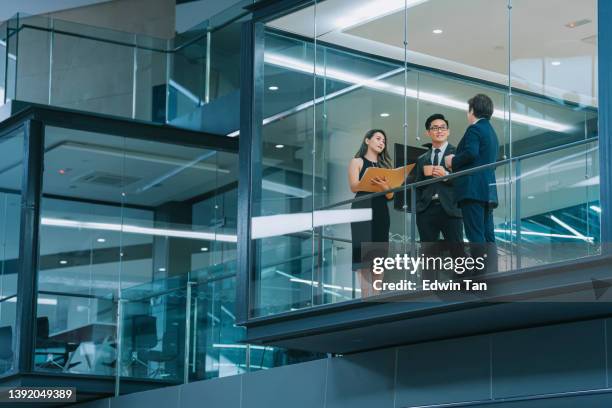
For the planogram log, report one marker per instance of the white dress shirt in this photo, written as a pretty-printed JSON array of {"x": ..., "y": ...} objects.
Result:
[{"x": 441, "y": 154}]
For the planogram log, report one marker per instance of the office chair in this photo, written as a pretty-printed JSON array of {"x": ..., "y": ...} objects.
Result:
[
  {"x": 144, "y": 338},
  {"x": 168, "y": 353},
  {"x": 6, "y": 347},
  {"x": 56, "y": 352}
]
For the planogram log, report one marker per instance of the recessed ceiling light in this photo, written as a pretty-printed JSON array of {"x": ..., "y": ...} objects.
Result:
[
  {"x": 204, "y": 249},
  {"x": 101, "y": 240},
  {"x": 437, "y": 31},
  {"x": 279, "y": 146},
  {"x": 63, "y": 262},
  {"x": 162, "y": 269},
  {"x": 556, "y": 63},
  {"x": 385, "y": 115},
  {"x": 273, "y": 88}
]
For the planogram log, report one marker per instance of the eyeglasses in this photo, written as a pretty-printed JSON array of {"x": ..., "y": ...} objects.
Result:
[{"x": 437, "y": 128}]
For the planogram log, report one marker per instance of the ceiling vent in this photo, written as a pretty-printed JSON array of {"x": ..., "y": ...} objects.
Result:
[
  {"x": 574, "y": 24},
  {"x": 100, "y": 178}
]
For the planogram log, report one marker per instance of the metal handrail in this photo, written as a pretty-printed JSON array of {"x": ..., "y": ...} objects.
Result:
[
  {"x": 123, "y": 43},
  {"x": 462, "y": 172}
]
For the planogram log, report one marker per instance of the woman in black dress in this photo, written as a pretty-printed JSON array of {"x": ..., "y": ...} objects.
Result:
[{"x": 372, "y": 153}]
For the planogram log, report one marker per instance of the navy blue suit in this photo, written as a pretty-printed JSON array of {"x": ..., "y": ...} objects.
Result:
[{"x": 476, "y": 193}]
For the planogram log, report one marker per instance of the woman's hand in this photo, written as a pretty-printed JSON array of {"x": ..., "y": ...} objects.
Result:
[{"x": 381, "y": 182}]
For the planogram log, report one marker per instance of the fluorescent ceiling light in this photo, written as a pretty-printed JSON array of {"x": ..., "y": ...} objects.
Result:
[
  {"x": 379, "y": 85},
  {"x": 543, "y": 234},
  {"x": 283, "y": 224},
  {"x": 437, "y": 31},
  {"x": 273, "y": 88},
  {"x": 238, "y": 346},
  {"x": 372, "y": 10},
  {"x": 40, "y": 301},
  {"x": 385, "y": 115},
  {"x": 556, "y": 63},
  {"x": 591, "y": 181},
  {"x": 284, "y": 189},
  {"x": 279, "y": 146},
  {"x": 596, "y": 209},
  {"x": 136, "y": 155},
  {"x": 570, "y": 228},
  {"x": 134, "y": 229},
  {"x": 190, "y": 95}
]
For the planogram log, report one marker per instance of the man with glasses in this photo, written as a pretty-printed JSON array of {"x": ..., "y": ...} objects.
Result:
[{"x": 436, "y": 207}]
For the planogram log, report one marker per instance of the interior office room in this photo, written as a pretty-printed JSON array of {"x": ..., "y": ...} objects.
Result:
[{"x": 176, "y": 213}]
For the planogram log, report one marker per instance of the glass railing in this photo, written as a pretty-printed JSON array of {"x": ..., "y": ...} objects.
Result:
[
  {"x": 70, "y": 65},
  {"x": 319, "y": 101},
  {"x": 183, "y": 329},
  {"x": 548, "y": 213}
]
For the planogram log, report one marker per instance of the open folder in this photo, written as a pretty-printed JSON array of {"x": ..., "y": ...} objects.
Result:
[{"x": 395, "y": 177}]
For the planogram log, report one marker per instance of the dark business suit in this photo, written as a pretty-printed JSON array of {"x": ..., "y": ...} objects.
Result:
[
  {"x": 476, "y": 193},
  {"x": 437, "y": 215}
]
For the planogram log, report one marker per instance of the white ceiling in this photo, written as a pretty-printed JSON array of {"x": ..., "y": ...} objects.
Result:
[{"x": 474, "y": 41}]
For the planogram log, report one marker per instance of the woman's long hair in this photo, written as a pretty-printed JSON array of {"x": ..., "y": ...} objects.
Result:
[{"x": 384, "y": 160}]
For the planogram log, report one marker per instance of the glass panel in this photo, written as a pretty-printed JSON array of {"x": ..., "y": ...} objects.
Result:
[
  {"x": 11, "y": 170},
  {"x": 283, "y": 195},
  {"x": 34, "y": 59},
  {"x": 80, "y": 252},
  {"x": 154, "y": 330},
  {"x": 225, "y": 61},
  {"x": 559, "y": 205},
  {"x": 187, "y": 76},
  {"x": 129, "y": 214},
  {"x": 11, "y": 63},
  {"x": 562, "y": 63},
  {"x": 151, "y": 77},
  {"x": 77, "y": 60}
]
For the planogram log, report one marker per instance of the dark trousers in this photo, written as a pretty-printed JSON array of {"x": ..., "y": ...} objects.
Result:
[
  {"x": 480, "y": 231},
  {"x": 435, "y": 221}
]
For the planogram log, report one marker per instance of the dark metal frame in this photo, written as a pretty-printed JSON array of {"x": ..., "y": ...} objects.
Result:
[
  {"x": 267, "y": 10},
  {"x": 32, "y": 119},
  {"x": 604, "y": 40}
]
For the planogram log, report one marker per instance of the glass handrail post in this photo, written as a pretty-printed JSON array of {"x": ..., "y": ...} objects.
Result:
[
  {"x": 118, "y": 363},
  {"x": 517, "y": 212},
  {"x": 413, "y": 251},
  {"x": 187, "y": 331}
]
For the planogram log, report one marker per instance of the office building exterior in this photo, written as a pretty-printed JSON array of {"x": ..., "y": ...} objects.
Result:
[{"x": 176, "y": 217}]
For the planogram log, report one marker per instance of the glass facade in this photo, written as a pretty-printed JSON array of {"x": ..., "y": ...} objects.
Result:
[
  {"x": 137, "y": 236},
  {"x": 11, "y": 147},
  {"x": 334, "y": 70}
]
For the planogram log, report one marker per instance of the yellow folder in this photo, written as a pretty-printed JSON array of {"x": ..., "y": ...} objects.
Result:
[{"x": 395, "y": 177}]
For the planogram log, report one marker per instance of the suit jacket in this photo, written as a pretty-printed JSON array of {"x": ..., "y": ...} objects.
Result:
[
  {"x": 444, "y": 189},
  {"x": 478, "y": 146}
]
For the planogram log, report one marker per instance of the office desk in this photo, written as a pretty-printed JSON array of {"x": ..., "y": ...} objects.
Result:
[{"x": 91, "y": 332}]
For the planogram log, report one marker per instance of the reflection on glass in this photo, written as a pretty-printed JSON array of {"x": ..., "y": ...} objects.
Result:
[
  {"x": 559, "y": 205},
  {"x": 119, "y": 216},
  {"x": 562, "y": 63},
  {"x": 335, "y": 69},
  {"x": 11, "y": 170}
]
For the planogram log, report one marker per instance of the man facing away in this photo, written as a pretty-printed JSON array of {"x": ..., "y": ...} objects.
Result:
[
  {"x": 476, "y": 193},
  {"x": 436, "y": 207}
]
